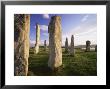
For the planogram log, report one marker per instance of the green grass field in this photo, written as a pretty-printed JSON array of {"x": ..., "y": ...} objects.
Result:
[{"x": 82, "y": 64}]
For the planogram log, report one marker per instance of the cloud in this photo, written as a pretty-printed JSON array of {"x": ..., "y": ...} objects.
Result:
[
  {"x": 45, "y": 34},
  {"x": 81, "y": 34},
  {"x": 84, "y": 18},
  {"x": 32, "y": 43},
  {"x": 45, "y": 16},
  {"x": 42, "y": 42},
  {"x": 44, "y": 27}
]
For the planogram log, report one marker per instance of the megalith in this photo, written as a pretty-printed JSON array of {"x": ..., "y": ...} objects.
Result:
[
  {"x": 88, "y": 45},
  {"x": 72, "y": 50},
  {"x": 55, "y": 42},
  {"x": 96, "y": 48},
  {"x": 45, "y": 46},
  {"x": 66, "y": 45},
  {"x": 37, "y": 38},
  {"x": 21, "y": 44}
]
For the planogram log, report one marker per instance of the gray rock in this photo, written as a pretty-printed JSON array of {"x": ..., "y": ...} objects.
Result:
[
  {"x": 37, "y": 38},
  {"x": 72, "y": 50},
  {"x": 21, "y": 44},
  {"x": 66, "y": 46},
  {"x": 55, "y": 42},
  {"x": 96, "y": 48},
  {"x": 88, "y": 45},
  {"x": 45, "y": 46}
]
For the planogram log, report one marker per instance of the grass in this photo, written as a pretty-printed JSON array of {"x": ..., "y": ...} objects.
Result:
[{"x": 82, "y": 64}]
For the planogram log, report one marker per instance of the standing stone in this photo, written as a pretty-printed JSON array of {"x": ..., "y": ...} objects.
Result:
[
  {"x": 88, "y": 45},
  {"x": 66, "y": 45},
  {"x": 21, "y": 44},
  {"x": 45, "y": 45},
  {"x": 72, "y": 50},
  {"x": 55, "y": 42},
  {"x": 37, "y": 38},
  {"x": 96, "y": 48}
]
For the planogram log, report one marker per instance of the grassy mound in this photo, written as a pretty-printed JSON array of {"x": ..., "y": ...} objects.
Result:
[{"x": 82, "y": 64}]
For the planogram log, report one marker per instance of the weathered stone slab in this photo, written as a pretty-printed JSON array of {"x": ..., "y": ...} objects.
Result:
[
  {"x": 88, "y": 45},
  {"x": 66, "y": 46},
  {"x": 37, "y": 39},
  {"x": 21, "y": 44},
  {"x": 72, "y": 50},
  {"x": 45, "y": 46},
  {"x": 55, "y": 42},
  {"x": 96, "y": 48}
]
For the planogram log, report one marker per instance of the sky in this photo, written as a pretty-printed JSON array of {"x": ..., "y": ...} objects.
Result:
[{"x": 82, "y": 26}]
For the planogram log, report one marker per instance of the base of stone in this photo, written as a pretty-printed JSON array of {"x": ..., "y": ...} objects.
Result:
[
  {"x": 66, "y": 51},
  {"x": 71, "y": 55},
  {"x": 56, "y": 69}
]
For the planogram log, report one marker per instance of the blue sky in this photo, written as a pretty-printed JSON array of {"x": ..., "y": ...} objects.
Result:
[{"x": 82, "y": 26}]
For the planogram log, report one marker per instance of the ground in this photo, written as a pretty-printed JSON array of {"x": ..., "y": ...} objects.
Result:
[{"x": 82, "y": 64}]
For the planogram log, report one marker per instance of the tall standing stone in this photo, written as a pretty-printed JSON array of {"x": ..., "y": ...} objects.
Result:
[
  {"x": 37, "y": 38},
  {"x": 66, "y": 45},
  {"x": 88, "y": 45},
  {"x": 72, "y": 50},
  {"x": 21, "y": 44},
  {"x": 45, "y": 45},
  {"x": 55, "y": 42},
  {"x": 96, "y": 48}
]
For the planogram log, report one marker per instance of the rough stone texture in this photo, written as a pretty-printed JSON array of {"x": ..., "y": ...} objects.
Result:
[
  {"x": 72, "y": 50},
  {"x": 45, "y": 46},
  {"x": 66, "y": 45},
  {"x": 21, "y": 44},
  {"x": 37, "y": 38},
  {"x": 96, "y": 48},
  {"x": 88, "y": 45},
  {"x": 55, "y": 42}
]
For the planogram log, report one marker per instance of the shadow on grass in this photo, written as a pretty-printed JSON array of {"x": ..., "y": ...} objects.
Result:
[{"x": 82, "y": 64}]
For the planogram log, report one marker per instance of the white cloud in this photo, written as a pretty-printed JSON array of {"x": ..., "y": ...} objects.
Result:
[
  {"x": 46, "y": 16},
  {"x": 32, "y": 43},
  {"x": 42, "y": 42},
  {"x": 44, "y": 27},
  {"x": 91, "y": 35},
  {"x": 84, "y": 18},
  {"x": 81, "y": 34},
  {"x": 45, "y": 34}
]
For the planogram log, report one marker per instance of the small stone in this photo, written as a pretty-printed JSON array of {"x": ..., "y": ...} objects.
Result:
[
  {"x": 96, "y": 48},
  {"x": 45, "y": 46},
  {"x": 66, "y": 46},
  {"x": 72, "y": 50},
  {"x": 88, "y": 45}
]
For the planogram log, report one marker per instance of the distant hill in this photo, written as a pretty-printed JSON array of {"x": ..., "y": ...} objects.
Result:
[{"x": 84, "y": 46}]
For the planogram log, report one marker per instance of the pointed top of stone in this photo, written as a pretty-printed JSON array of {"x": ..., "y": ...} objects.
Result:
[
  {"x": 66, "y": 38},
  {"x": 56, "y": 17},
  {"x": 36, "y": 23},
  {"x": 88, "y": 41},
  {"x": 37, "y": 26},
  {"x": 72, "y": 36},
  {"x": 44, "y": 41}
]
